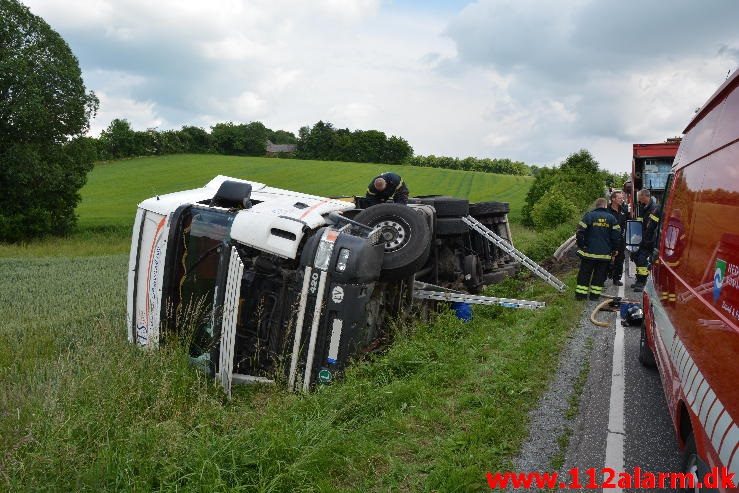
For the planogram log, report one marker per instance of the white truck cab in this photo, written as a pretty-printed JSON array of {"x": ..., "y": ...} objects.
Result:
[{"x": 261, "y": 283}]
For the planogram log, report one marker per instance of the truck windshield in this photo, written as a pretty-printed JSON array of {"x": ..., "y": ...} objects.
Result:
[{"x": 204, "y": 239}]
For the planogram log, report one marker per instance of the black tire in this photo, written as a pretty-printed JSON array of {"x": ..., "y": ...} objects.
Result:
[
  {"x": 447, "y": 226},
  {"x": 646, "y": 356},
  {"x": 451, "y": 207},
  {"x": 692, "y": 464},
  {"x": 407, "y": 238},
  {"x": 488, "y": 208}
]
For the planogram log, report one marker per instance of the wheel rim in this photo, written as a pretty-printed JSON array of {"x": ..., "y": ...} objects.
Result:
[{"x": 395, "y": 234}]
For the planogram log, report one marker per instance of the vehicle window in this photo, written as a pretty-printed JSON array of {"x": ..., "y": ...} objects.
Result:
[
  {"x": 662, "y": 207},
  {"x": 678, "y": 219},
  {"x": 716, "y": 229},
  {"x": 204, "y": 243}
]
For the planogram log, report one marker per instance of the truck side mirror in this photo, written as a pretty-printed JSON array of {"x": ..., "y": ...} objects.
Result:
[{"x": 633, "y": 235}]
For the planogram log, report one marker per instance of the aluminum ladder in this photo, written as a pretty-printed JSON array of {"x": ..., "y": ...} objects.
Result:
[
  {"x": 424, "y": 291},
  {"x": 496, "y": 240}
]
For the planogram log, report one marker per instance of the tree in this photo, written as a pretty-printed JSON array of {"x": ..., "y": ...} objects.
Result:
[
  {"x": 196, "y": 140},
  {"x": 44, "y": 112},
  {"x": 118, "y": 140},
  {"x": 578, "y": 178}
]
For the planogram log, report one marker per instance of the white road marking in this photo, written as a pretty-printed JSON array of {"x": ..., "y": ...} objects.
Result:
[{"x": 616, "y": 429}]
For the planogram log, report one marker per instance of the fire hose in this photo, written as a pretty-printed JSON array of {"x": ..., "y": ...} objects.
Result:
[{"x": 613, "y": 301}]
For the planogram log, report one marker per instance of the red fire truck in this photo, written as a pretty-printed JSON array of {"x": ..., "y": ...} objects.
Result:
[
  {"x": 691, "y": 302},
  {"x": 650, "y": 167}
]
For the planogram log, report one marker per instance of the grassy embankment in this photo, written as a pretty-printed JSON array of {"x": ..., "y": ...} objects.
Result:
[{"x": 80, "y": 409}]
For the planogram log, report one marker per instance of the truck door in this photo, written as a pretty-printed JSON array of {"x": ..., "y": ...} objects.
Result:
[{"x": 146, "y": 273}]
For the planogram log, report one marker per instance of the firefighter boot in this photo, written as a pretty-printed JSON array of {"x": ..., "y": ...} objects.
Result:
[{"x": 638, "y": 286}]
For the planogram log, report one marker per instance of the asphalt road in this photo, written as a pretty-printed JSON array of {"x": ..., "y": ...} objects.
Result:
[
  {"x": 622, "y": 420},
  {"x": 648, "y": 438}
]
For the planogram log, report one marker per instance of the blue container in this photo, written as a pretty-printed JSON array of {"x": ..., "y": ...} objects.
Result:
[{"x": 462, "y": 310}]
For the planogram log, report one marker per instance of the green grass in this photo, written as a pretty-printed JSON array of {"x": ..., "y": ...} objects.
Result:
[
  {"x": 114, "y": 189},
  {"x": 81, "y": 409}
]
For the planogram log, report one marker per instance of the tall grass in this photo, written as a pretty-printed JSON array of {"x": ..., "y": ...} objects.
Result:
[{"x": 81, "y": 409}]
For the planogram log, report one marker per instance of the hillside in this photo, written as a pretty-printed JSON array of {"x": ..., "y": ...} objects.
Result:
[{"x": 113, "y": 189}]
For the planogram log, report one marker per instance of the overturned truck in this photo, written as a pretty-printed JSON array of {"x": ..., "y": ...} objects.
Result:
[{"x": 263, "y": 284}]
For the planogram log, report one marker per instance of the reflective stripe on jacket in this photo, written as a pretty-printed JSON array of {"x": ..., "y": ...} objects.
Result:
[{"x": 598, "y": 235}]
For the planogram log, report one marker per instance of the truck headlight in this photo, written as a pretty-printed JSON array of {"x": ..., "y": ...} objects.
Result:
[
  {"x": 343, "y": 259},
  {"x": 325, "y": 249}
]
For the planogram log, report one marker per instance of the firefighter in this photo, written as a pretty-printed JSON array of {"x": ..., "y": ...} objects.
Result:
[
  {"x": 649, "y": 217},
  {"x": 387, "y": 187},
  {"x": 598, "y": 236},
  {"x": 620, "y": 211}
]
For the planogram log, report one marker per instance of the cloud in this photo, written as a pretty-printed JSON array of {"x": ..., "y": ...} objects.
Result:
[
  {"x": 616, "y": 71},
  {"x": 523, "y": 79}
]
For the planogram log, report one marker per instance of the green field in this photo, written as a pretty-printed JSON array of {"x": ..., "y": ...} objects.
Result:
[
  {"x": 113, "y": 189},
  {"x": 83, "y": 410}
]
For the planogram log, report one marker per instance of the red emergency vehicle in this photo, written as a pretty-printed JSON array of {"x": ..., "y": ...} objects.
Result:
[
  {"x": 691, "y": 302},
  {"x": 650, "y": 167}
]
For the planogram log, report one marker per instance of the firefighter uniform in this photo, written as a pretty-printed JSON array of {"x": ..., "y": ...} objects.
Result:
[
  {"x": 395, "y": 191},
  {"x": 598, "y": 236},
  {"x": 617, "y": 265},
  {"x": 648, "y": 216}
]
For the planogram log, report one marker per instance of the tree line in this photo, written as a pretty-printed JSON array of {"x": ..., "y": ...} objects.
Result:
[
  {"x": 501, "y": 166},
  {"x": 322, "y": 142},
  {"x": 120, "y": 140}
]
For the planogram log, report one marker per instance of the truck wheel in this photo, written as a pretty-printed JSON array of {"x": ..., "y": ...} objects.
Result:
[
  {"x": 446, "y": 226},
  {"x": 646, "y": 356},
  {"x": 405, "y": 233},
  {"x": 487, "y": 208}
]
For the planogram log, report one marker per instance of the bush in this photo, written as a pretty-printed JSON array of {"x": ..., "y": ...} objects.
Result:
[
  {"x": 326, "y": 143},
  {"x": 579, "y": 179},
  {"x": 545, "y": 243},
  {"x": 552, "y": 209}
]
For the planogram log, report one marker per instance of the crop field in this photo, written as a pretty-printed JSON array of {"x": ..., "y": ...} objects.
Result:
[
  {"x": 83, "y": 410},
  {"x": 113, "y": 189}
]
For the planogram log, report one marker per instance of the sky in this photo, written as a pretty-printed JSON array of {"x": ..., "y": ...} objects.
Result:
[{"x": 529, "y": 80}]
